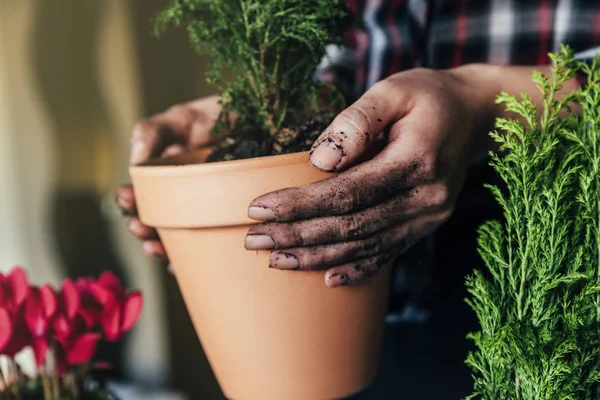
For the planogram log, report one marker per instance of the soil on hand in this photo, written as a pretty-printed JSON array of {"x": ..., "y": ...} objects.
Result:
[{"x": 241, "y": 144}]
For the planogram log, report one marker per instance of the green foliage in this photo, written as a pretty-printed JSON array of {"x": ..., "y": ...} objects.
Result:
[
  {"x": 539, "y": 306},
  {"x": 270, "y": 47}
]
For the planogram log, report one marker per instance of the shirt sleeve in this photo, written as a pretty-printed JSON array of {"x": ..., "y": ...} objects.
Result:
[{"x": 338, "y": 68}]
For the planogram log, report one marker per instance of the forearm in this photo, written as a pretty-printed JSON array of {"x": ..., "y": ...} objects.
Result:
[{"x": 483, "y": 82}]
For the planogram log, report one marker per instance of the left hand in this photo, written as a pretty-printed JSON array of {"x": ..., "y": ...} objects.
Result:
[{"x": 356, "y": 222}]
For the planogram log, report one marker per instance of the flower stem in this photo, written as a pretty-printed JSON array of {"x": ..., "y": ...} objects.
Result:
[
  {"x": 46, "y": 384},
  {"x": 55, "y": 378},
  {"x": 3, "y": 384},
  {"x": 14, "y": 378},
  {"x": 71, "y": 384}
]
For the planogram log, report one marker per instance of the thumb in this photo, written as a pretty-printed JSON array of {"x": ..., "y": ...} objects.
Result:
[{"x": 354, "y": 130}]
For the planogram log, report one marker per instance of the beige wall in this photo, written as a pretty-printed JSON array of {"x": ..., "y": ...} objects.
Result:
[{"x": 74, "y": 77}]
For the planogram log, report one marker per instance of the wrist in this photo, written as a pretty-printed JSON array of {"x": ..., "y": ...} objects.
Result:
[{"x": 478, "y": 85}]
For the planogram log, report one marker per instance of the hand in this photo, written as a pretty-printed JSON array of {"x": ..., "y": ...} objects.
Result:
[
  {"x": 180, "y": 128},
  {"x": 355, "y": 223}
]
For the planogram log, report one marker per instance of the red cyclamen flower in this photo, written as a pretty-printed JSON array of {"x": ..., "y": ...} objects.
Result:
[
  {"x": 40, "y": 307},
  {"x": 6, "y": 328},
  {"x": 120, "y": 308},
  {"x": 90, "y": 309},
  {"x": 77, "y": 349},
  {"x": 14, "y": 289}
]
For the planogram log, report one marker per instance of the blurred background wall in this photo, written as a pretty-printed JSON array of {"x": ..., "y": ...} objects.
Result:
[{"x": 74, "y": 78}]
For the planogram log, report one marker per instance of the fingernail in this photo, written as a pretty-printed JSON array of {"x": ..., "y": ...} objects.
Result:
[
  {"x": 174, "y": 150},
  {"x": 150, "y": 248},
  {"x": 284, "y": 261},
  {"x": 261, "y": 213},
  {"x": 259, "y": 242},
  {"x": 336, "y": 280},
  {"x": 132, "y": 227},
  {"x": 123, "y": 203},
  {"x": 138, "y": 153},
  {"x": 327, "y": 156}
]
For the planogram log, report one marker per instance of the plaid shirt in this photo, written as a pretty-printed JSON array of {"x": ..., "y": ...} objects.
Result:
[{"x": 403, "y": 34}]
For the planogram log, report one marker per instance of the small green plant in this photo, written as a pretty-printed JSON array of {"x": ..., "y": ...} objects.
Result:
[
  {"x": 539, "y": 306},
  {"x": 270, "y": 48}
]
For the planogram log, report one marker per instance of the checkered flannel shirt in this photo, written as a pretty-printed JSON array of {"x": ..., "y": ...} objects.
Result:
[{"x": 401, "y": 34}]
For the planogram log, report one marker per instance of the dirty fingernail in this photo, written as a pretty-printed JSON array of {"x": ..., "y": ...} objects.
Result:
[
  {"x": 336, "y": 280},
  {"x": 261, "y": 213},
  {"x": 259, "y": 242},
  {"x": 327, "y": 156},
  {"x": 284, "y": 261}
]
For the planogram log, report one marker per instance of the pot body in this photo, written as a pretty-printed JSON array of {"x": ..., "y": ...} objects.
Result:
[{"x": 268, "y": 334}]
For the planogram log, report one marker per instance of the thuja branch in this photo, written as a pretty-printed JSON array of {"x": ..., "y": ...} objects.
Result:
[{"x": 540, "y": 311}]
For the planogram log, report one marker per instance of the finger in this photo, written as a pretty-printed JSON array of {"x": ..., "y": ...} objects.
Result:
[
  {"x": 357, "y": 271},
  {"x": 154, "y": 248},
  {"x": 397, "y": 237},
  {"x": 182, "y": 124},
  {"x": 422, "y": 200},
  {"x": 141, "y": 231},
  {"x": 325, "y": 256},
  {"x": 360, "y": 270},
  {"x": 126, "y": 199},
  {"x": 371, "y": 183},
  {"x": 354, "y": 129},
  {"x": 173, "y": 150}
]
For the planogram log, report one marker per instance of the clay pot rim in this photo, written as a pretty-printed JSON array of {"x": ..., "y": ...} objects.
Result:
[{"x": 174, "y": 166}]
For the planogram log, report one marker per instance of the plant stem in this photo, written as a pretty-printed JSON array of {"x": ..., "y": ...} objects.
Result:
[
  {"x": 3, "y": 384},
  {"x": 16, "y": 390},
  {"x": 46, "y": 385},
  {"x": 55, "y": 378},
  {"x": 70, "y": 381}
]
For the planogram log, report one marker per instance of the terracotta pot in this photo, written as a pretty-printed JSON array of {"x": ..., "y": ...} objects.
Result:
[{"x": 268, "y": 334}]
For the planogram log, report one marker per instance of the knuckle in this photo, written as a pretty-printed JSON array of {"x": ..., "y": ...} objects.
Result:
[
  {"x": 428, "y": 168},
  {"x": 143, "y": 129},
  {"x": 299, "y": 235},
  {"x": 444, "y": 215},
  {"x": 352, "y": 227},
  {"x": 367, "y": 268},
  {"x": 373, "y": 245},
  {"x": 344, "y": 199},
  {"x": 440, "y": 196},
  {"x": 178, "y": 109},
  {"x": 357, "y": 118}
]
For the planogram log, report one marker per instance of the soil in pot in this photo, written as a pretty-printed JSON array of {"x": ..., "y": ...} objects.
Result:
[{"x": 242, "y": 144}]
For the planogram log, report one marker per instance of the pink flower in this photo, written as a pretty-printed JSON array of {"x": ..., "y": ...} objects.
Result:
[
  {"x": 45, "y": 309},
  {"x": 90, "y": 309},
  {"x": 40, "y": 307},
  {"x": 14, "y": 289},
  {"x": 66, "y": 320},
  {"x": 78, "y": 349},
  {"x": 121, "y": 309},
  {"x": 7, "y": 328}
]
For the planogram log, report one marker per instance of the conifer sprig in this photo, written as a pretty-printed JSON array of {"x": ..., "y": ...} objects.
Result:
[{"x": 539, "y": 306}]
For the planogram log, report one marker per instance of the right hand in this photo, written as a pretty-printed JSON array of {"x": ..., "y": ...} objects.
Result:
[{"x": 180, "y": 128}]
